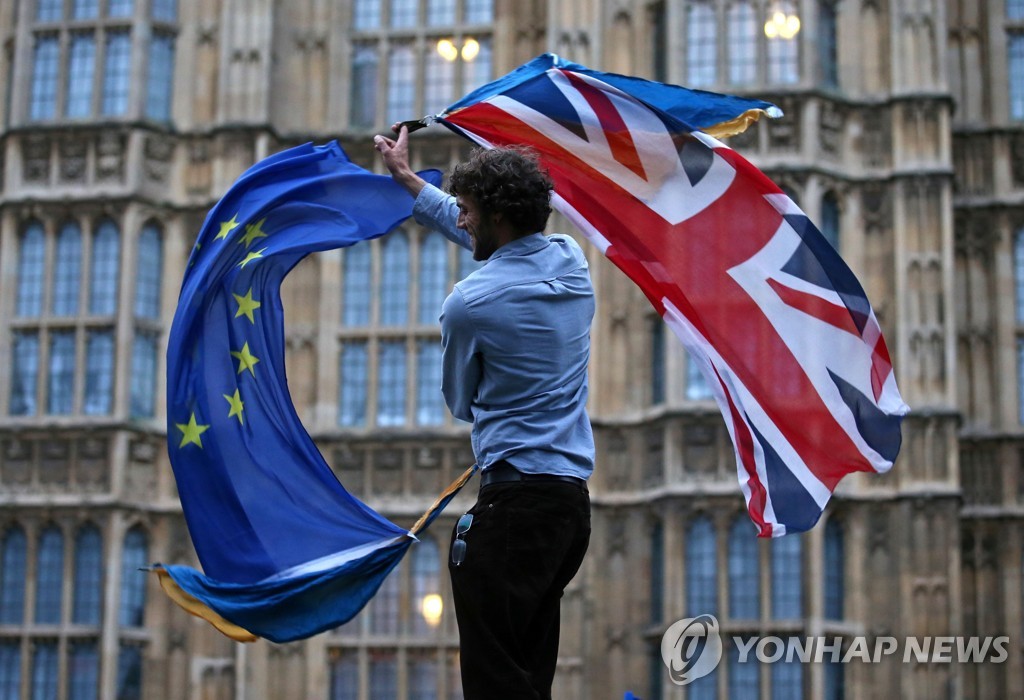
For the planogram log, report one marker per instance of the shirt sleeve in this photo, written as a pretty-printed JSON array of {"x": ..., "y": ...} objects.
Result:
[
  {"x": 438, "y": 211},
  {"x": 460, "y": 357}
]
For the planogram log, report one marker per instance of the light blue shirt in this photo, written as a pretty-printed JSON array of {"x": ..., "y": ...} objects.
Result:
[{"x": 515, "y": 337}]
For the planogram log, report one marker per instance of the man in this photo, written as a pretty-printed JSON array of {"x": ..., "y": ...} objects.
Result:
[{"x": 515, "y": 338}]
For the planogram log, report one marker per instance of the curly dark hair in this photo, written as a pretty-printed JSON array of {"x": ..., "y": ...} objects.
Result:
[{"x": 509, "y": 181}]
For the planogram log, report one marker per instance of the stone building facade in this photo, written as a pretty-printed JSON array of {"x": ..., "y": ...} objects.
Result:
[{"x": 124, "y": 120}]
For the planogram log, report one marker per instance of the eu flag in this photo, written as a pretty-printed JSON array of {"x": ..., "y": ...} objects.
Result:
[{"x": 286, "y": 551}]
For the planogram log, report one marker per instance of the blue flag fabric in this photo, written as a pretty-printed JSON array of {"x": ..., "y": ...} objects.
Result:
[{"x": 286, "y": 551}]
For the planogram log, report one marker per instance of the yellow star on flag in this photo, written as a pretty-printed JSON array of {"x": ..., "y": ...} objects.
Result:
[
  {"x": 246, "y": 305},
  {"x": 252, "y": 232},
  {"x": 191, "y": 431},
  {"x": 252, "y": 256},
  {"x": 246, "y": 360},
  {"x": 227, "y": 227},
  {"x": 237, "y": 406}
]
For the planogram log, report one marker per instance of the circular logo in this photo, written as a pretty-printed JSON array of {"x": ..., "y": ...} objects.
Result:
[{"x": 691, "y": 648}]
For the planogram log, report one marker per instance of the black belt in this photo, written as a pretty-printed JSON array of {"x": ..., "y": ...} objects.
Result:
[{"x": 502, "y": 472}]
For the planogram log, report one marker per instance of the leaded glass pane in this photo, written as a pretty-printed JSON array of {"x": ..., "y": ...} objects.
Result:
[
  {"x": 85, "y": 9},
  {"x": 830, "y": 219},
  {"x": 117, "y": 73},
  {"x": 827, "y": 46},
  {"x": 84, "y": 671},
  {"x": 356, "y": 286},
  {"x": 81, "y": 67},
  {"x": 438, "y": 83},
  {"x": 68, "y": 270},
  {"x": 49, "y": 576},
  {"x": 148, "y": 273},
  {"x": 133, "y": 581},
  {"x": 401, "y": 84},
  {"x": 744, "y": 572},
  {"x": 433, "y": 277},
  {"x": 366, "y": 14},
  {"x": 742, "y": 48},
  {"x": 31, "y": 271},
  {"x": 479, "y": 11},
  {"x": 363, "y": 107},
  {"x": 429, "y": 401},
  {"x": 657, "y": 359},
  {"x": 383, "y": 607},
  {"x": 834, "y": 570},
  {"x": 99, "y": 373},
  {"x": 43, "y": 102},
  {"x": 1015, "y": 47},
  {"x": 13, "y": 575},
  {"x": 701, "y": 569},
  {"x": 344, "y": 675},
  {"x": 394, "y": 288},
  {"x": 106, "y": 258},
  {"x": 422, "y": 676},
  {"x": 440, "y": 12},
  {"x": 657, "y": 572},
  {"x": 701, "y": 45},
  {"x": 160, "y": 77},
  {"x": 24, "y": 373},
  {"x": 353, "y": 374},
  {"x": 165, "y": 10},
  {"x": 120, "y": 8},
  {"x": 49, "y": 10},
  {"x": 744, "y": 677},
  {"x": 783, "y": 54},
  {"x": 383, "y": 675},
  {"x": 391, "y": 383},
  {"x": 787, "y": 678},
  {"x": 478, "y": 71},
  {"x": 129, "y": 672},
  {"x": 88, "y": 593},
  {"x": 45, "y": 677},
  {"x": 61, "y": 384},
  {"x": 143, "y": 379},
  {"x": 426, "y": 586},
  {"x": 404, "y": 13},
  {"x": 787, "y": 577},
  {"x": 10, "y": 669}
]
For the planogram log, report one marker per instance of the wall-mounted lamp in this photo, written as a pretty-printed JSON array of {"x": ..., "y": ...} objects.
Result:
[
  {"x": 449, "y": 52},
  {"x": 781, "y": 25}
]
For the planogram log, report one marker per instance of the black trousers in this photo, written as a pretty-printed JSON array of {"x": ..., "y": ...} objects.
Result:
[{"x": 526, "y": 543}]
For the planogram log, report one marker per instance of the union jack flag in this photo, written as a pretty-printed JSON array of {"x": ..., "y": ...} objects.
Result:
[{"x": 765, "y": 306}]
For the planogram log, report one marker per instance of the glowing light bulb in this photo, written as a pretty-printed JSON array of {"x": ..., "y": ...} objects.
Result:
[
  {"x": 470, "y": 49},
  {"x": 446, "y": 48},
  {"x": 432, "y": 606}
]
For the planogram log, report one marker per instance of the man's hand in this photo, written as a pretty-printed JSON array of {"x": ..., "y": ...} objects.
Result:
[{"x": 396, "y": 157}]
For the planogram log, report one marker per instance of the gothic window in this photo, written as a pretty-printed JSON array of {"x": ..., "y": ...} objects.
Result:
[
  {"x": 703, "y": 688},
  {"x": 353, "y": 372},
  {"x": 13, "y": 574},
  {"x": 783, "y": 52},
  {"x": 466, "y": 263},
  {"x": 133, "y": 581},
  {"x": 830, "y": 219},
  {"x": 384, "y": 608},
  {"x": 129, "y": 672},
  {"x": 743, "y": 41},
  {"x": 60, "y": 391},
  {"x": 356, "y": 286},
  {"x": 106, "y": 255},
  {"x": 67, "y": 271},
  {"x": 24, "y": 373},
  {"x": 787, "y": 577},
  {"x": 117, "y": 70},
  {"x": 658, "y": 21},
  {"x": 701, "y": 563},
  {"x": 31, "y": 271},
  {"x": 148, "y": 273},
  {"x": 835, "y": 569},
  {"x": 383, "y": 675},
  {"x": 88, "y": 591},
  {"x": 433, "y": 276},
  {"x": 422, "y": 676},
  {"x": 99, "y": 372},
  {"x": 755, "y": 51},
  {"x": 1018, "y": 272},
  {"x": 143, "y": 378},
  {"x": 435, "y": 50},
  {"x": 701, "y": 44},
  {"x": 49, "y": 576},
  {"x": 391, "y": 383},
  {"x": 744, "y": 572},
  {"x": 82, "y": 60},
  {"x": 394, "y": 300},
  {"x": 1020, "y": 378},
  {"x": 429, "y": 401},
  {"x": 834, "y": 682}
]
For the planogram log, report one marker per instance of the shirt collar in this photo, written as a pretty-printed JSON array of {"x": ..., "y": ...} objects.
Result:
[{"x": 521, "y": 246}]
